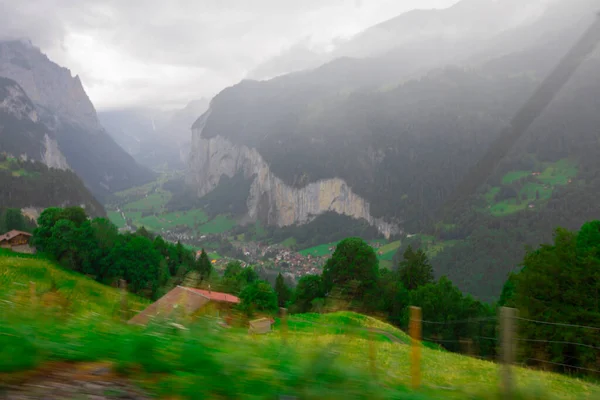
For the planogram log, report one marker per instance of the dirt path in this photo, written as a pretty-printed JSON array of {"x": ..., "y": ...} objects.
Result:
[{"x": 71, "y": 381}]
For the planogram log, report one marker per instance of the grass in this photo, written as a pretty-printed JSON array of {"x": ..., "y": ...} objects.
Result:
[
  {"x": 170, "y": 220},
  {"x": 514, "y": 176},
  {"x": 152, "y": 202},
  {"x": 289, "y": 242},
  {"x": 219, "y": 224},
  {"x": 324, "y": 356},
  {"x": 320, "y": 250},
  {"x": 534, "y": 191},
  {"x": 387, "y": 251},
  {"x": 116, "y": 218},
  {"x": 559, "y": 173},
  {"x": 85, "y": 295}
]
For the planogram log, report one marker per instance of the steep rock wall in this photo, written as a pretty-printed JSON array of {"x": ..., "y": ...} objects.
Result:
[{"x": 270, "y": 198}]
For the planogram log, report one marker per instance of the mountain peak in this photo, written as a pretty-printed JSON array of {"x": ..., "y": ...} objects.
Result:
[{"x": 42, "y": 79}]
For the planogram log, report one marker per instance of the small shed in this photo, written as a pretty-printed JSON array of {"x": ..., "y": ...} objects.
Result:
[
  {"x": 261, "y": 325},
  {"x": 16, "y": 241}
]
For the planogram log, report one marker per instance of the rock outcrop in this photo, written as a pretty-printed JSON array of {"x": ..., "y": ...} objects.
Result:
[
  {"x": 22, "y": 133},
  {"x": 271, "y": 199},
  {"x": 51, "y": 119},
  {"x": 44, "y": 80}
]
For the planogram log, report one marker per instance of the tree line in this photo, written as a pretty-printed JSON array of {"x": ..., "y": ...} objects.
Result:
[
  {"x": 149, "y": 264},
  {"x": 556, "y": 290}
]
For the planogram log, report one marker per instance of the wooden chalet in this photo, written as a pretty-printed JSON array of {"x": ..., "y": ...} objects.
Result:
[
  {"x": 17, "y": 241},
  {"x": 188, "y": 301}
]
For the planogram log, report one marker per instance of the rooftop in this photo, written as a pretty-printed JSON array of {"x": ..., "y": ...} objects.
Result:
[
  {"x": 12, "y": 234},
  {"x": 215, "y": 296}
]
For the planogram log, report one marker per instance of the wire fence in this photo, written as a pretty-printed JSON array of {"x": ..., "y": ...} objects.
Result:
[{"x": 484, "y": 338}]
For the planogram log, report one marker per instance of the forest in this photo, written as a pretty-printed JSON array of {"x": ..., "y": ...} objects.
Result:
[
  {"x": 557, "y": 285},
  {"x": 28, "y": 183}
]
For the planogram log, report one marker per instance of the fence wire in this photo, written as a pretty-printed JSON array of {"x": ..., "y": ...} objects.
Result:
[{"x": 558, "y": 324}]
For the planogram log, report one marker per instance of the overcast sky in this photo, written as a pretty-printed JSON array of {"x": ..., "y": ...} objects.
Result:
[{"x": 167, "y": 52}]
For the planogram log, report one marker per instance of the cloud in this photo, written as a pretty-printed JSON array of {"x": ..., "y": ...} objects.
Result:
[{"x": 157, "y": 52}]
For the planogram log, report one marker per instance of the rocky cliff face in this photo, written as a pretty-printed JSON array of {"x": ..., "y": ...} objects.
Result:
[
  {"x": 43, "y": 80},
  {"x": 271, "y": 199},
  {"x": 21, "y": 132},
  {"x": 66, "y": 130}
]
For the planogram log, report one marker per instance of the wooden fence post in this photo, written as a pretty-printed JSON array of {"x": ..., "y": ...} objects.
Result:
[
  {"x": 284, "y": 324},
  {"x": 123, "y": 287},
  {"x": 507, "y": 350},
  {"x": 415, "y": 334}
]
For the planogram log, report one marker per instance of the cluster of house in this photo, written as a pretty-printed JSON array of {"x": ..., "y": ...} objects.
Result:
[
  {"x": 283, "y": 259},
  {"x": 17, "y": 241}
]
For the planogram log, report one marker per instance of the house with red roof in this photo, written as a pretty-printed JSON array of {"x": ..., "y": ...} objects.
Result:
[
  {"x": 188, "y": 301},
  {"x": 16, "y": 241}
]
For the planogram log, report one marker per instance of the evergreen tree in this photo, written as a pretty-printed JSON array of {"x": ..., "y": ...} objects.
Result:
[
  {"x": 259, "y": 296},
  {"x": 283, "y": 292},
  {"x": 353, "y": 269},
  {"x": 415, "y": 269},
  {"x": 560, "y": 283},
  {"x": 309, "y": 288},
  {"x": 203, "y": 265}
]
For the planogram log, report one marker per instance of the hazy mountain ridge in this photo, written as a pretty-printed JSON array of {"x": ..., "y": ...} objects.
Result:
[
  {"x": 155, "y": 137},
  {"x": 327, "y": 123},
  {"x": 402, "y": 139},
  {"x": 69, "y": 117}
]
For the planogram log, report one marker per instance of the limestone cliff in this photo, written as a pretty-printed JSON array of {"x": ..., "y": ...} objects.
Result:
[
  {"x": 65, "y": 128},
  {"x": 271, "y": 199},
  {"x": 22, "y": 133},
  {"x": 46, "y": 83}
]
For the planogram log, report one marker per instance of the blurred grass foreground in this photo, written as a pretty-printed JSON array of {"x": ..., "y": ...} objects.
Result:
[{"x": 51, "y": 317}]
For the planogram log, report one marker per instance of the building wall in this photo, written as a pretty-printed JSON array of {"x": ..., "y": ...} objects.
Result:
[
  {"x": 25, "y": 248},
  {"x": 19, "y": 240}
]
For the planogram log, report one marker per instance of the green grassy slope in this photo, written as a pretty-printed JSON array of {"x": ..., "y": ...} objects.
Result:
[
  {"x": 324, "y": 356},
  {"x": 531, "y": 188},
  {"x": 138, "y": 202}
]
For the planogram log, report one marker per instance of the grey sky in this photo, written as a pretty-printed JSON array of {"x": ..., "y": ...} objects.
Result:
[{"x": 166, "y": 53}]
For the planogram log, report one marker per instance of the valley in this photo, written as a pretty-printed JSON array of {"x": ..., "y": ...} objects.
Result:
[
  {"x": 224, "y": 236},
  {"x": 400, "y": 207}
]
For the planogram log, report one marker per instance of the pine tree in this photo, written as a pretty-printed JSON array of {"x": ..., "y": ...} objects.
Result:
[
  {"x": 283, "y": 292},
  {"x": 203, "y": 265},
  {"x": 415, "y": 269}
]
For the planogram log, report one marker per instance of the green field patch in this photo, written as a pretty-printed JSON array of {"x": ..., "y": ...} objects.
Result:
[
  {"x": 154, "y": 201},
  {"x": 289, "y": 242},
  {"x": 514, "y": 176},
  {"x": 320, "y": 250},
  {"x": 116, "y": 218},
  {"x": 393, "y": 246},
  {"x": 219, "y": 224},
  {"x": 23, "y": 173},
  {"x": 537, "y": 189},
  {"x": 490, "y": 196},
  {"x": 170, "y": 220},
  {"x": 507, "y": 207},
  {"x": 558, "y": 173},
  {"x": 133, "y": 215}
]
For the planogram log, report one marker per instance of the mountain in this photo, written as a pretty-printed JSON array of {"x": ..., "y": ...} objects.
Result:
[
  {"x": 154, "y": 137},
  {"x": 69, "y": 121},
  {"x": 34, "y": 173},
  {"x": 466, "y": 25},
  {"x": 387, "y": 139}
]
